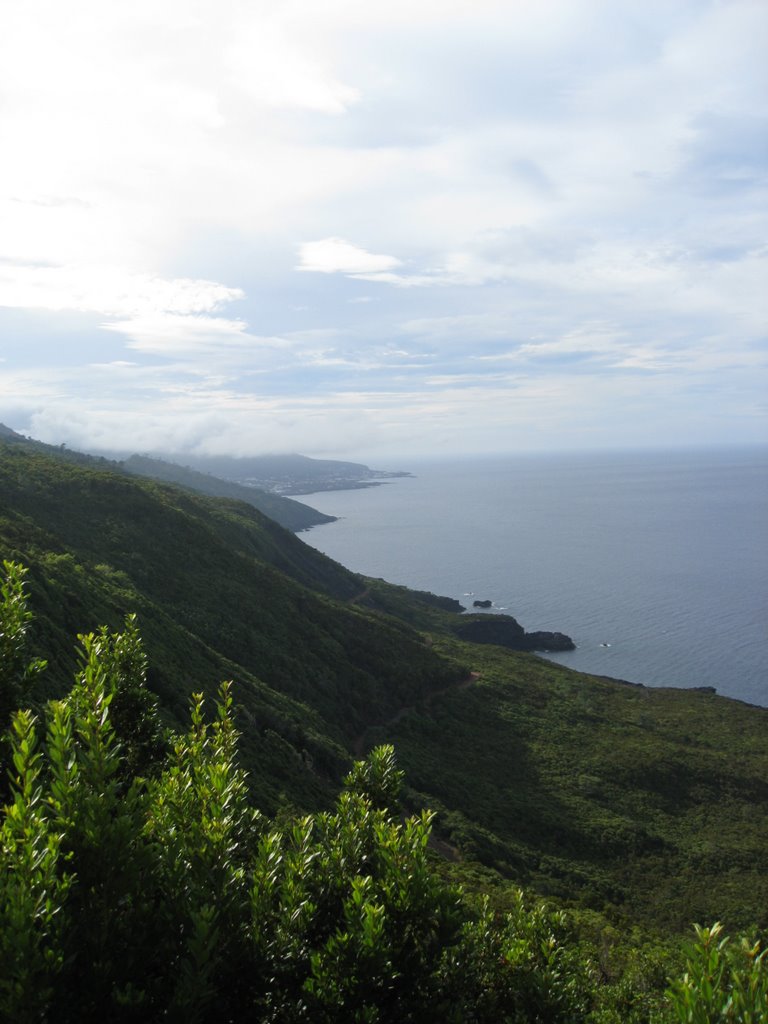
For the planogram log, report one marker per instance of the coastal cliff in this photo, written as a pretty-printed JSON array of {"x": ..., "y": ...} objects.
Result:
[{"x": 505, "y": 631}]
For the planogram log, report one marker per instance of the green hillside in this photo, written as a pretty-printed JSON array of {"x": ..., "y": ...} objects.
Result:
[
  {"x": 221, "y": 592},
  {"x": 293, "y": 515},
  {"x": 649, "y": 806}
]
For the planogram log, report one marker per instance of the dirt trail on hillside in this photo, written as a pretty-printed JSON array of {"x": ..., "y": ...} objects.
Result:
[{"x": 358, "y": 744}]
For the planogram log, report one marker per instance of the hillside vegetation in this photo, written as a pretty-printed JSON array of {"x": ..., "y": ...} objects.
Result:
[
  {"x": 293, "y": 515},
  {"x": 634, "y": 807},
  {"x": 140, "y": 884}
]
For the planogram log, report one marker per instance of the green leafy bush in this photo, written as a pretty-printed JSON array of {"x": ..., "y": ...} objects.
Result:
[
  {"x": 17, "y": 670},
  {"x": 725, "y": 982}
]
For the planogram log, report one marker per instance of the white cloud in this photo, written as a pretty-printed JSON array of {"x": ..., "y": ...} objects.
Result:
[
  {"x": 266, "y": 62},
  {"x": 591, "y": 339},
  {"x": 562, "y": 184},
  {"x": 111, "y": 291},
  {"x": 335, "y": 256},
  {"x": 518, "y": 411},
  {"x": 171, "y": 334}
]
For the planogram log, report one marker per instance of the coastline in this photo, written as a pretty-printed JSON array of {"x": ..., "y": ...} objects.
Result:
[{"x": 660, "y": 558}]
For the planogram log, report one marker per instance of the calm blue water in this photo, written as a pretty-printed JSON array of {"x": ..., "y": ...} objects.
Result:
[{"x": 664, "y": 557}]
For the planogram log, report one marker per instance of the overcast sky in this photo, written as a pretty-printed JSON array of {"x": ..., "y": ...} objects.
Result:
[{"x": 353, "y": 228}]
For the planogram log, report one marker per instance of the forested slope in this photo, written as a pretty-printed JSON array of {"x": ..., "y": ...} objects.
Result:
[
  {"x": 293, "y": 515},
  {"x": 139, "y": 883},
  {"x": 646, "y": 805},
  {"x": 221, "y": 592}
]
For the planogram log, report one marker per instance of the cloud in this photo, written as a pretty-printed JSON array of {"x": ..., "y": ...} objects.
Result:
[
  {"x": 566, "y": 191},
  {"x": 591, "y": 339},
  {"x": 452, "y": 380},
  {"x": 519, "y": 411},
  {"x": 273, "y": 68},
  {"x": 335, "y": 256},
  {"x": 172, "y": 334},
  {"x": 50, "y": 201},
  {"x": 459, "y": 326},
  {"x": 111, "y": 291},
  {"x": 369, "y": 359}
]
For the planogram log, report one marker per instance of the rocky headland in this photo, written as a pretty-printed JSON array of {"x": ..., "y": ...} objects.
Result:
[{"x": 505, "y": 631}]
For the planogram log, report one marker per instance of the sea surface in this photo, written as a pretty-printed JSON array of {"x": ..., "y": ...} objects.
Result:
[{"x": 656, "y": 564}]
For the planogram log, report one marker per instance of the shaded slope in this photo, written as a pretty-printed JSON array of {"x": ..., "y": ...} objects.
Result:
[
  {"x": 219, "y": 572},
  {"x": 650, "y": 803},
  {"x": 293, "y": 515}
]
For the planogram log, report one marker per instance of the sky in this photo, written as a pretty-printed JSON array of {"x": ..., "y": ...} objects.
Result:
[{"x": 357, "y": 229}]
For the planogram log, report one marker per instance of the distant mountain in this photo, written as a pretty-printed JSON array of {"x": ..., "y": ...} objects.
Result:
[
  {"x": 288, "y": 474},
  {"x": 293, "y": 515}
]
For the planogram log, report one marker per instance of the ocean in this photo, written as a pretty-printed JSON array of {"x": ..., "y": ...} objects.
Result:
[{"x": 656, "y": 564}]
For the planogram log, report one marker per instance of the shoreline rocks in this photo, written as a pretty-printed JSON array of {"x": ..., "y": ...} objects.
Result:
[{"x": 505, "y": 631}]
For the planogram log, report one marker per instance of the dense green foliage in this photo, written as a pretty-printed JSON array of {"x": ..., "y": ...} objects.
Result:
[
  {"x": 637, "y": 808},
  {"x": 138, "y": 883},
  {"x": 723, "y": 980},
  {"x": 18, "y": 672},
  {"x": 222, "y": 592},
  {"x": 650, "y": 805},
  {"x": 293, "y": 515}
]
